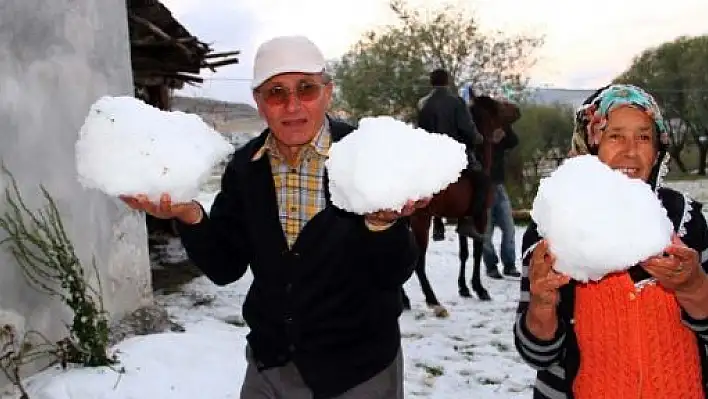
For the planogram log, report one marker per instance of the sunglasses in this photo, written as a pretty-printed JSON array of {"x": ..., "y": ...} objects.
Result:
[{"x": 280, "y": 95}]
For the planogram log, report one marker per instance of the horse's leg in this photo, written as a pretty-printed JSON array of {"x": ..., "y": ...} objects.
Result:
[
  {"x": 405, "y": 299},
  {"x": 421, "y": 231},
  {"x": 438, "y": 229},
  {"x": 477, "y": 286},
  {"x": 464, "y": 255}
]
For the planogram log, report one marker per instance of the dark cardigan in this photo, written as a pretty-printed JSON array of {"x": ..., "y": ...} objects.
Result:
[{"x": 331, "y": 303}]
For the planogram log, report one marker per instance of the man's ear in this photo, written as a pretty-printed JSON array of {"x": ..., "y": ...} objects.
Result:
[
  {"x": 329, "y": 92},
  {"x": 257, "y": 99}
]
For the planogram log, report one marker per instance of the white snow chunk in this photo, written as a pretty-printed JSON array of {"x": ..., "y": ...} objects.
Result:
[
  {"x": 598, "y": 220},
  {"x": 156, "y": 366},
  {"x": 127, "y": 147},
  {"x": 386, "y": 162}
]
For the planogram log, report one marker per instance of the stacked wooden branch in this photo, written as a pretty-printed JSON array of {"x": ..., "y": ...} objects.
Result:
[
  {"x": 164, "y": 52},
  {"x": 160, "y": 33},
  {"x": 225, "y": 61}
]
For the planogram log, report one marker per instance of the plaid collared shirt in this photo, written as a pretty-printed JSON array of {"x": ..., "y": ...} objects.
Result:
[{"x": 299, "y": 188}]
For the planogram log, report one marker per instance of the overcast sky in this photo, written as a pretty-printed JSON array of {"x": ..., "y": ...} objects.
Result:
[{"x": 587, "y": 42}]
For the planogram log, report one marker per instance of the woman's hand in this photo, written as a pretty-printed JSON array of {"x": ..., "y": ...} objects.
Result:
[
  {"x": 678, "y": 269},
  {"x": 545, "y": 284}
]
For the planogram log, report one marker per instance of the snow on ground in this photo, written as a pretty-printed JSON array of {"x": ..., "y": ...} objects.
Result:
[
  {"x": 470, "y": 354},
  {"x": 199, "y": 363},
  {"x": 473, "y": 350},
  {"x": 697, "y": 189}
]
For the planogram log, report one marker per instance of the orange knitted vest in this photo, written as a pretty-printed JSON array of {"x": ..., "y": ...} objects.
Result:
[{"x": 633, "y": 344}]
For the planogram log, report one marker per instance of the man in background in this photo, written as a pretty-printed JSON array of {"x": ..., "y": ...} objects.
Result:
[
  {"x": 500, "y": 213},
  {"x": 443, "y": 111}
]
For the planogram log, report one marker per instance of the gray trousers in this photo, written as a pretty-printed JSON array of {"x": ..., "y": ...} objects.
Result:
[{"x": 286, "y": 383}]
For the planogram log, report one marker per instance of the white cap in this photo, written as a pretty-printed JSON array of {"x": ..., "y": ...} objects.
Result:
[{"x": 286, "y": 54}]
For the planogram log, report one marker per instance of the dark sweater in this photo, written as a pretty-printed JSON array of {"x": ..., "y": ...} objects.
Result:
[
  {"x": 442, "y": 111},
  {"x": 331, "y": 303},
  {"x": 500, "y": 149}
]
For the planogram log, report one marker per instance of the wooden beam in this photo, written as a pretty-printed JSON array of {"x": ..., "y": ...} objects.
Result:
[
  {"x": 149, "y": 75},
  {"x": 187, "y": 39},
  {"x": 152, "y": 44},
  {"x": 153, "y": 78},
  {"x": 217, "y": 64},
  {"x": 151, "y": 41},
  {"x": 170, "y": 54},
  {"x": 159, "y": 81},
  {"x": 152, "y": 27},
  {"x": 155, "y": 29},
  {"x": 163, "y": 64},
  {"x": 186, "y": 78},
  {"x": 148, "y": 80},
  {"x": 224, "y": 54}
]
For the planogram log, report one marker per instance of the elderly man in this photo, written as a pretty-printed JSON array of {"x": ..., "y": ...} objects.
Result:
[{"x": 324, "y": 303}]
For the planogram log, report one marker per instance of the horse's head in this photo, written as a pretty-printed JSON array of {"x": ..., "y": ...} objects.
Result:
[
  {"x": 491, "y": 114},
  {"x": 508, "y": 111}
]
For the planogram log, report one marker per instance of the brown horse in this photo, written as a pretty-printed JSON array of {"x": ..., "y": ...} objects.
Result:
[{"x": 453, "y": 202}]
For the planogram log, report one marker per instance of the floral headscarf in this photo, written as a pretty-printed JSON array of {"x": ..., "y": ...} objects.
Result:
[
  {"x": 591, "y": 117},
  {"x": 591, "y": 120}
]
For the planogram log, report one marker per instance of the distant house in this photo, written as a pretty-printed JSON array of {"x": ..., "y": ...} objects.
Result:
[{"x": 549, "y": 96}]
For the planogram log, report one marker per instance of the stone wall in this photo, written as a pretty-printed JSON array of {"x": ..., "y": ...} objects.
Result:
[{"x": 56, "y": 59}]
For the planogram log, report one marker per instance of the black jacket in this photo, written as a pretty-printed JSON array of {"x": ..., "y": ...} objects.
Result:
[
  {"x": 500, "y": 149},
  {"x": 331, "y": 302},
  {"x": 442, "y": 111}
]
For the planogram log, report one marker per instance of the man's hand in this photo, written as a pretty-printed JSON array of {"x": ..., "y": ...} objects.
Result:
[
  {"x": 188, "y": 212},
  {"x": 387, "y": 217},
  {"x": 498, "y": 135}
]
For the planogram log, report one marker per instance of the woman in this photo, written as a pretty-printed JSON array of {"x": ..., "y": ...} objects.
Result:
[{"x": 637, "y": 334}]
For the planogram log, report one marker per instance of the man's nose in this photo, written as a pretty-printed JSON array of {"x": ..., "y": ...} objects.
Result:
[{"x": 293, "y": 102}]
